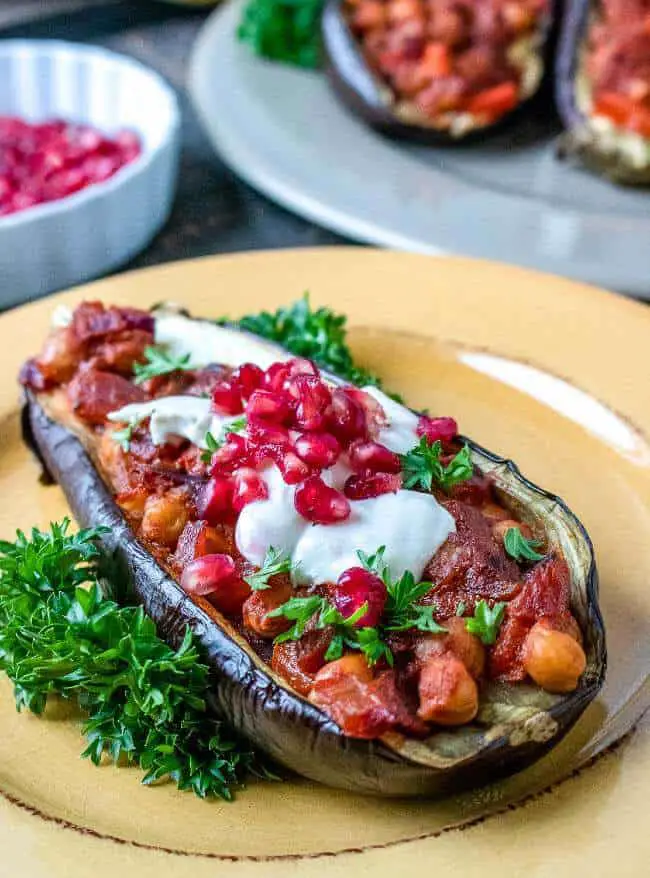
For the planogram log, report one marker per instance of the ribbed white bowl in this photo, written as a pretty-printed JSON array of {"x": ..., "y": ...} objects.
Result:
[{"x": 59, "y": 244}]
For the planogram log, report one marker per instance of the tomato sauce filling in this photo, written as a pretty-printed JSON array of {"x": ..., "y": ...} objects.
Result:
[
  {"x": 183, "y": 503},
  {"x": 452, "y": 56},
  {"x": 617, "y": 63}
]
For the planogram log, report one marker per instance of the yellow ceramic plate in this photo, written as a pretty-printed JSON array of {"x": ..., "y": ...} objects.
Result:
[{"x": 543, "y": 370}]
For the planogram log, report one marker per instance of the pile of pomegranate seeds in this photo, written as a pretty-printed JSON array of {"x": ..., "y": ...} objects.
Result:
[
  {"x": 50, "y": 160},
  {"x": 295, "y": 420}
]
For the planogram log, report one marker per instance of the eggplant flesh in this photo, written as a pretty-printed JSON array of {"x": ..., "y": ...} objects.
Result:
[
  {"x": 582, "y": 142},
  {"x": 515, "y": 726},
  {"x": 370, "y": 98}
]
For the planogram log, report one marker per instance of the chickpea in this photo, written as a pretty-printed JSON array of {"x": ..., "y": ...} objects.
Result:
[
  {"x": 554, "y": 659},
  {"x": 132, "y": 503},
  {"x": 259, "y": 604},
  {"x": 353, "y": 665},
  {"x": 495, "y": 512},
  {"x": 448, "y": 693},
  {"x": 465, "y": 646},
  {"x": 500, "y": 527},
  {"x": 165, "y": 517},
  {"x": 369, "y": 14}
]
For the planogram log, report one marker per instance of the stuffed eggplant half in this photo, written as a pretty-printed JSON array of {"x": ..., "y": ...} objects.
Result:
[
  {"x": 388, "y": 607},
  {"x": 603, "y": 87},
  {"x": 436, "y": 71}
]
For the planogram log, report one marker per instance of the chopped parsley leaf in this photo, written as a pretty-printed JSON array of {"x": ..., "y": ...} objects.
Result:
[
  {"x": 422, "y": 467},
  {"x": 519, "y": 548},
  {"x": 486, "y": 621},
  {"x": 275, "y": 562},
  {"x": 159, "y": 362}
]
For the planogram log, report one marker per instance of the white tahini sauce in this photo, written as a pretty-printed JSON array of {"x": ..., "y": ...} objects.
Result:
[
  {"x": 173, "y": 417},
  {"x": 410, "y": 525},
  {"x": 272, "y": 522},
  {"x": 208, "y": 343}
]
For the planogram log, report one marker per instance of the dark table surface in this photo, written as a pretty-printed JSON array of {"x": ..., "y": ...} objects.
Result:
[{"x": 214, "y": 211}]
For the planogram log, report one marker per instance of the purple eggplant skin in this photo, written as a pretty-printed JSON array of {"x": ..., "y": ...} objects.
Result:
[
  {"x": 365, "y": 94},
  {"x": 286, "y": 726},
  {"x": 579, "y": 143}
]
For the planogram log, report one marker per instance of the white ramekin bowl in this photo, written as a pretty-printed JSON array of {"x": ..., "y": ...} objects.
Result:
[{"x": 65, "y": 242}]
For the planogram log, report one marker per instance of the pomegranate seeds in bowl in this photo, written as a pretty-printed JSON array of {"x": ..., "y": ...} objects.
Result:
[{"x": 50, "y": 160}]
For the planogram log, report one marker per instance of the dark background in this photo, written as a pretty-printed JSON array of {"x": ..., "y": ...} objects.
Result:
[{"x": 214, "y": 212}]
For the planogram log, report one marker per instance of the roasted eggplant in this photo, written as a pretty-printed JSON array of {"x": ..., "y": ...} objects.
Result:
[
  {"x": 603, "y": 88},
  {"x": 438, "y": 72},
  {"x": 515, "y": 724}
]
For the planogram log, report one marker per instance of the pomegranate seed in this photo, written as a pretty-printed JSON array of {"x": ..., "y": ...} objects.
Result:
[
  {"x": 373, "y": 456},
  {"x": 232, "y": 454},
  {"x": 375, "y": 414},
  {"x": 267, "y": 440},
  {"x": 347, "y": 419},
  {"x": 276, "y": 376},
  {"x": 313, "y": 398},
  {"x": 443, "y": 429},
  {"x": 302, "y": 366},
  {"x": 356, "y": 587},
  {"x": 269, "y": 405},
  {"x": 368, "y": 485},
  {"x": 249, "y": 486},
  {"x": 318, "y": 449},
  {"x": 6, "y": 187},
  {"x": 100, "y": 168},
  {"x": 317, "y": 502},
  {"x": 216, "y": 576},
  {"x": 54, "y": 159},
  {"x": 246, "y": 379},
  {"x": 129, "y": 145},
  {"x": 226, "y": 399},
  {"x": 293, "y": 469},
  {"x": 214, "y": 501}
]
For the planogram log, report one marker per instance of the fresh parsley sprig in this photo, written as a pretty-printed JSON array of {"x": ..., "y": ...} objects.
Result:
[
  {"x": 275, "y": 562},
  {"x": 145, "y": 702},
  {"x": 519, "y": 548},
  {"x": 283, "y": 30},
  {"x": 422, "y": 467},
  {"x": 402, "y": 611},
  {"x": 318, "y": 611},
  {"x": 486, "y": 621},
  {"x": 316, "y": 333},
  {"x": 159, "y": 361}
]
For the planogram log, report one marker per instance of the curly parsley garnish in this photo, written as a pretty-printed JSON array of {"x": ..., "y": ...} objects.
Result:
[
  {"x": 302, "y": 610},
  {"x": 316, "y": 333},
  {"x": 519, "y": 548},
  {"x": 214, "y": 443},
  {"x": 422, "y": 467},
  {"x": 145, "y": 702},
  {"x": 160, "y": 361},
  {"x": 486, "y": 621},
  {"x": 275, "y": 562},
  {"x": 401, "y": 613},
  {"x": 283, "y": 30}
]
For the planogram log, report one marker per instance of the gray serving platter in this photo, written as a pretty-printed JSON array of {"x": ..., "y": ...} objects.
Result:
[{"x": 507, "y": 198}]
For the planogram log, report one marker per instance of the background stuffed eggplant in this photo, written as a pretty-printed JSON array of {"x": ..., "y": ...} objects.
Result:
[
  {"x": 603, "y": 87},
  {"x": 357, "y": 80},
  {"x": 515, "y": 725}
]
